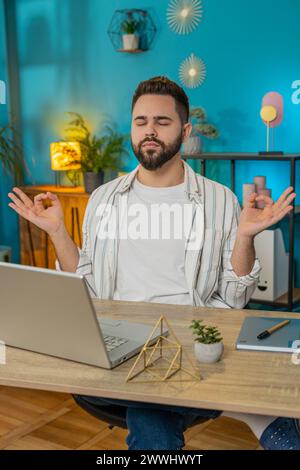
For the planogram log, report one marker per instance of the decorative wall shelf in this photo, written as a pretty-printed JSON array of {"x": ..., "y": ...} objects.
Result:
[
  {"x": 131, "y": 51},
  {"x": 131, "y": 30}
]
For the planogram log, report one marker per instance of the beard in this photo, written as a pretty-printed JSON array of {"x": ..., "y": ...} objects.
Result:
[{"x": 151, "y": 159}]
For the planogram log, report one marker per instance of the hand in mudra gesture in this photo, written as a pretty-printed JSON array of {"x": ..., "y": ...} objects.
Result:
[
  {"x": 253, "y": 221},
  {"x": 50, "y": 219}
]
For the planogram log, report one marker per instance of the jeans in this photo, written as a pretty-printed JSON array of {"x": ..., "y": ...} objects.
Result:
[{"x": 153, "y": 426}]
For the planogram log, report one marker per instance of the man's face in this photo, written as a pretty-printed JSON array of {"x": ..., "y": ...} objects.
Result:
[{"x": 156, "y": 130}]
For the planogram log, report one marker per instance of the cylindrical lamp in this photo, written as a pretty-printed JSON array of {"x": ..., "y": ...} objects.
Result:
[
  {"x": 260, "y": 182},
  {"x": 265, "y": 192},
  {"x": 248, "y": 189}
]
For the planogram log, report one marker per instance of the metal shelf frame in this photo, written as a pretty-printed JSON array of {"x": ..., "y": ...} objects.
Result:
[{"x": 293, "y": 295}]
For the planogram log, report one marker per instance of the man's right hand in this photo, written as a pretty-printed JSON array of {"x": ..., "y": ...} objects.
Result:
[{"x": 50, "y": 219}]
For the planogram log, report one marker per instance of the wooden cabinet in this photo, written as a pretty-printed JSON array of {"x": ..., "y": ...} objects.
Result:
[{"x": 36, "y": 247}]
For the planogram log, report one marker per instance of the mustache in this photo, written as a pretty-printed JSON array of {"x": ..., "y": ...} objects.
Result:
[{"x": 151, "y": 140}]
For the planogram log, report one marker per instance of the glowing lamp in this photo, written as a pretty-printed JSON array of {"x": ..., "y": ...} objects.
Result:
[{"x": 65, "y": 156}]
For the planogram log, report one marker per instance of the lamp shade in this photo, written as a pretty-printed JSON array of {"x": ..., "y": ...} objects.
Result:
[
  {"x": 272, "y": 100},
  {"x": 65, "y": 156}
]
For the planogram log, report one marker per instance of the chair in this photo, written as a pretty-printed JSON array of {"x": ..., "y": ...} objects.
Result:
[{"x": 114, "y": 415}]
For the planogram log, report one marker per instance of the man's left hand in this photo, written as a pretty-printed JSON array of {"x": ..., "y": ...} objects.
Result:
[{"x": 253, "y": 221}]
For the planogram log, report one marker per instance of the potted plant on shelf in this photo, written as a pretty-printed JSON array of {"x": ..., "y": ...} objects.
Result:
[
  {"x": 200, "y": 128},
  {"x": 97, "y": 153},
  {"x": 11, "y": 154},
  {"x": 208, "y": 342},
  {"x": 129, "y": 28}
]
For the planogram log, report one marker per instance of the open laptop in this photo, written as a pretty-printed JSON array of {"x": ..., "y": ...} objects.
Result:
[{"x": 51, "y": 312}]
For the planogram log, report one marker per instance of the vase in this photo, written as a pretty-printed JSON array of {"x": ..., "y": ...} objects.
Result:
[
  {"x": 130, "y": 42},
  {"x": 208, "y": 353},
  {"x": 92, "y": 180},
  {"x": 192, "y": 145}
]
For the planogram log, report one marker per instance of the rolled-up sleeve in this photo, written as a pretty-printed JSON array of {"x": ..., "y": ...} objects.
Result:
[
  {"x": 235, "y": 290},
  {"x": 85, "y": 266}
]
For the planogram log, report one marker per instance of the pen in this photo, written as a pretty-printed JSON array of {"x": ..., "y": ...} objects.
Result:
[{"x": 269, "y": 331}]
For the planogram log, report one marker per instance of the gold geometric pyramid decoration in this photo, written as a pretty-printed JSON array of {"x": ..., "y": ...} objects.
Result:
[{"x": 162, "y": 358}]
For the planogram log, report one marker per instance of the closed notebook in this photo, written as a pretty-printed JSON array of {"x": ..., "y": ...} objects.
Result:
[{"x": 281, "y": 340}]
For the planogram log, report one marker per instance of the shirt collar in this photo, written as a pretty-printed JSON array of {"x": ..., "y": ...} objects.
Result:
[{"x": 192, "y": 186}]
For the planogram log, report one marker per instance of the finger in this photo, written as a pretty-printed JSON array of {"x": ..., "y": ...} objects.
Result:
[
  {"x": 278, "y": 209},
  {"x": 23, "y": 212},
  {"x": 288, "y": 201},
  {"x": 17, "y": 201},
  {"x": 53, "y": 197},
  {"x": 284, "y": 195},
  {"x": 250, "y": 202},
  {"x": 16, "y": 209},
  {"x": 281, "y": 215},
  {"x": 267, "y": 200},
  {"x": 40, "y": 197},
  {"x": 38, "y": 200},
  {"x": 26, "y": 200}
]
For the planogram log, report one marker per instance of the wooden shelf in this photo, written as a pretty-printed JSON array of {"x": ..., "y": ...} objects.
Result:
[
  {"x": 70, "y": 190},
  {"x": 131, "y": 51}
]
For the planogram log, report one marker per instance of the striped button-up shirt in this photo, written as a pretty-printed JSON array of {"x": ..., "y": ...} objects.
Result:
[{"x": 210, "y": 277}]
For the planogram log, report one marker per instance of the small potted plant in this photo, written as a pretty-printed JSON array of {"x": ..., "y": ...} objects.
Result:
[
  {"x": 98, "y": 153},
  {"x": 200, "y": 128},
  {"x": 130, "y": 27},
  {"x": 208, "y": 342}
]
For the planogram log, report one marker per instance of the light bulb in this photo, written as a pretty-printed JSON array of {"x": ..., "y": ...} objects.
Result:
[{"x": 184, "y": 13}]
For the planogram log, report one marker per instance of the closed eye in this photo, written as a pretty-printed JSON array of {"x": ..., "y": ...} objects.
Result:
[{"x": 160, "y": 123}]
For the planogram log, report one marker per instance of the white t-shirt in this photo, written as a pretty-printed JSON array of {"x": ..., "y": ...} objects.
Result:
[{"x": 150, "y": 265}]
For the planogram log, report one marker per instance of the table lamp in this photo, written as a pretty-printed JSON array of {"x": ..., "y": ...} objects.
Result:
[
  {"x": 272, "y": 114},
  {"x": 65, "y": 156}
]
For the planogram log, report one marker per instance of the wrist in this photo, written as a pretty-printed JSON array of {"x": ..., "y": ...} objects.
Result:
[
  {"x": 59, "y": 233},
  {"x": 245, "y": 238}
]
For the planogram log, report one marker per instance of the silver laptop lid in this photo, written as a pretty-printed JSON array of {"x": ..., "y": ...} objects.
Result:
[{"x": 49, "y": 312}]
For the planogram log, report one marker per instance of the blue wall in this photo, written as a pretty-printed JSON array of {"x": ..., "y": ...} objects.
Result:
[
  {"x": 250, "y": 47},
  {"x": 9, "y": 234}
]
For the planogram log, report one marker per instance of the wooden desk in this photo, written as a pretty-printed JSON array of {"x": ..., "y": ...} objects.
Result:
[{"x": 252, "y": 382}]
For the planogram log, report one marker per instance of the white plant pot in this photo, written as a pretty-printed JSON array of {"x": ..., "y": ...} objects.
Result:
[
  {"x": 208, "y": 353},
  {"x": 130, "y": 42},
  {"x": 192, "y": 145}
]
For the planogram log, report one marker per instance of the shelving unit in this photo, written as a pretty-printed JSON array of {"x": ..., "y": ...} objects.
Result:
[{"x": 293, "y": 295}]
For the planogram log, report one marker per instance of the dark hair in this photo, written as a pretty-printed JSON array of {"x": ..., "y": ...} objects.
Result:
[{"x": 163, "y": 86}]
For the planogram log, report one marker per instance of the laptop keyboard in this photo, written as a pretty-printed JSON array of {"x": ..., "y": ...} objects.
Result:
[{"x": 113, "y": 342}]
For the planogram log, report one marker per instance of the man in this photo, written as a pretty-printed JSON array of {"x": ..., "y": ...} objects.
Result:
[{"x": 212, "y": 262}]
